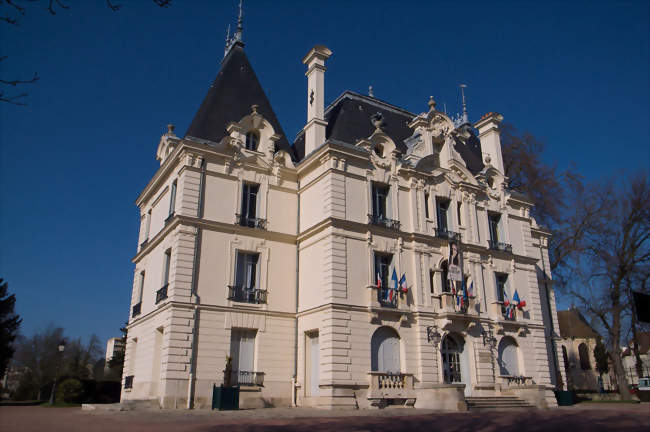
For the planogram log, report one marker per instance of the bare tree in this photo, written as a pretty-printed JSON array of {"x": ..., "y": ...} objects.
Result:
[
  {"x": 614, "y": 260},
  {"x": 39, "y": 355}
]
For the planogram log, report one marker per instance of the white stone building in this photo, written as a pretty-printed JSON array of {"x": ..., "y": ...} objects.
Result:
[{"x": 271, "y": 253}]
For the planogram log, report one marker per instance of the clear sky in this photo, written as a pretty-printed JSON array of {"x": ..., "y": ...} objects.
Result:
[{"x": 574, "y": 74}]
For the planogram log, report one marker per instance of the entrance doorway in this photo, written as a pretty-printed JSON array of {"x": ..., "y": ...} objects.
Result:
[{"x": 455, "y": 362}]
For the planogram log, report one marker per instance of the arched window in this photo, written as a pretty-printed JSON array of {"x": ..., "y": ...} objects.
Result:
[
  {"x": 451, "y": 351},
  {"x": 252, "y": 140},
  {"x": 385, "y": 351},
  {"x": 379, "y": 150},
  {"x": 444, "y": 281},
  {"x": 583, "y": 353},
  {"x": 508, "y": 357}
]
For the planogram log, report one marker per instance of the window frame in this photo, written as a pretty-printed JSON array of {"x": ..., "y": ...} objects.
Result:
[
  {"x": 442, "y": 209},
  {"x": 172, "y": 198},
  {"x": 252, "y": 141},
  {"x": 380, "y": 200}
]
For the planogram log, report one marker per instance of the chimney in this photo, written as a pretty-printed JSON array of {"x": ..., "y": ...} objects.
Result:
[
  {"x": 488, "y": 134},
  {"x": 316, "y": 124}
]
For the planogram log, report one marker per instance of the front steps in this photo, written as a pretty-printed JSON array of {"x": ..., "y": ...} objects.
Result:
[{"x": 488, "y": 403}]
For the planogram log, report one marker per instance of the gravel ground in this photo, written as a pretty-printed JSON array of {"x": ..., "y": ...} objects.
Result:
[{"x": 587, "y": 417}]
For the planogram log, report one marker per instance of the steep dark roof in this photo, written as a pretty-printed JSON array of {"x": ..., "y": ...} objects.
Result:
[
  {"x": 348, "y": 120},
  {"x": 230, "y": 97},
  {"x": 573, "y": 324},
  {"x": 470, "y": 151}
]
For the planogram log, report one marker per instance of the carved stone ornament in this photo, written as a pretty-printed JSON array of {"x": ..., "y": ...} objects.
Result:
[{"x": 439, "y": 127}]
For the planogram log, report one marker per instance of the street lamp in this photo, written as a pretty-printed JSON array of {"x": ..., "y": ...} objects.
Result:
[
  {"x": 433, "y": 335},
  {"x": 489, "y": 339},
  {"x": 56, "y": 375}
]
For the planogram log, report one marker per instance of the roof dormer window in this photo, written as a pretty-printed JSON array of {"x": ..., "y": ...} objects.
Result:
[
  {"x": 252, "y": 140},
  {"x": 379, "y": 150}
]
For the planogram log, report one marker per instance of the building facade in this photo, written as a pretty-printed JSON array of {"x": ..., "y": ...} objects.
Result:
[{"x": 378, "y": 259}]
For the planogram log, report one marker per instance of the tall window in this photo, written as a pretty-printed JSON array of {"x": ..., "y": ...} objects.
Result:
[
  {"x": 382, "y": 269},
  {"x": 502, "y": 282},
  {"x": 583, "y": 353},
  {"x": 432, "y": 275},
  {"x": 459, "y": 212},
  {"x": 252, "y": 140},
  {"x": 246, "y": 275},
  {"x": 166, "y": 264},
  {"x": 379, "y": 200},
  {"x": 147, "y": 225},
  {"x": 172, "y": 198},
  {"x": 242, "y": 351},
  {"x": 246, "y": 288},
  {"x": 138, "y": 297},
  {"x": 426, "y": 205},
  {"x": 249, "y": 204},
  {"x": 442, "y": 208},
  {"x": 493, "y": 220},
  {"x": 444, "y": 280}
]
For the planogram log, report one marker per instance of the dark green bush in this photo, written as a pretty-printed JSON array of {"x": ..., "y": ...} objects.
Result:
[{"x": 69, "y": 390}]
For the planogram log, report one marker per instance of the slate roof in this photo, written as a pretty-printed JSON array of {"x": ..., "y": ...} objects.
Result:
[
  {"x": 230, "y": 97},
  {"x": 573, "y": 324},
  {"x": 348, "y": 120}
]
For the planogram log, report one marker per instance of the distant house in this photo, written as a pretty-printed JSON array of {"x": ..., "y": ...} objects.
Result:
[
  {"x": 114, "y": 346},
  {"x": 578, "y": 343},
  {"x": 629, "y": 359}
]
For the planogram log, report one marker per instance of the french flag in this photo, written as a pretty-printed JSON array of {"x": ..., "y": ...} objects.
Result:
[{"x": 402, "y": 284}]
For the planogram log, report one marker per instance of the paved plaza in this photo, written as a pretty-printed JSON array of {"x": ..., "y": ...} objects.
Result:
[{"x": 587, "y": 417}]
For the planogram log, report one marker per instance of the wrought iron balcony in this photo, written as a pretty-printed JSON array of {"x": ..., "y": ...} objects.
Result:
[
  {"x": 242, "y": 294},
  {"x": 385, "y": 301},
  {"x": 446, "y": 234},
  {"x": 248, "y": 378},
  {"x": 169, "y": 218},
  {"x": 499, "y": 246},
  {"x": 250, "y": 222},
  {"x": 128, "y": 382},
  {"x": 161, "y": 294},
  {"x": 137, "y": 309},
  {"x": 384, "y": 222}
]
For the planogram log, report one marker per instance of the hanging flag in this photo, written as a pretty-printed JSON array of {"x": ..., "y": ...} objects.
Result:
[
  {"x": 394, "y": 280},
  {"x": 471, "y": 289},
  {"x": 515, "y": 297},
  {"x": 402, "y": 284},
  {"x": 378, "y": 281},
  {"x": 506, "y": 300}
]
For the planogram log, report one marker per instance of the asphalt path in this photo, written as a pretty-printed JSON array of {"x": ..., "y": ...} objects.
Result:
[{"x": 585, "y": 417}]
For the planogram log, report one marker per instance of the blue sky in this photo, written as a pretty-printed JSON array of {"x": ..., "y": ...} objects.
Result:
[{"x": 574, "y": 74}]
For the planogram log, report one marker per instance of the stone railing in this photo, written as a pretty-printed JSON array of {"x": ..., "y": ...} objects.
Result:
[
  {"x": 500, "y": 246},
  {"x": 386, "y": 385},
  {"x": 444, "y": 233},
  {"x": 384, "y": 222},
  {"x": 515, "y": 381}
]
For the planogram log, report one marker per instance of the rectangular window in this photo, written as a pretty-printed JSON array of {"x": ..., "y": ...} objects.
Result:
[
  {"x": 166, "y": 264},
  {"x": 246, "y": 272},
  {"x": 502, "y": 283},
  {"x": 459, "y": 211},
  {"x": 493, "y": 221},
  {"x": 172, "y": 198},
  {"x": 138, "y": 298},
  {"x": 147, "y": 225},
  {"x": 379, "y": 200},
  {"x": 432, "y": 276},
  {"x": 249, "y": 204},
  {"x": 382, "y": 273},
  {"x": 242, "y": 351},
  {"x": 426, "y": 205},
  {"x": 442, "y": 208}
]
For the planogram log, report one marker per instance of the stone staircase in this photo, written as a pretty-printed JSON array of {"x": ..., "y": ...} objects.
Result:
[{"x": 488, "y": 403}]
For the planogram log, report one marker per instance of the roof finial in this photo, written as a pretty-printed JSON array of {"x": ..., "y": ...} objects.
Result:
[
  {"x": 432, "y": 104},
  {"x": 227, "y": 41},
  {"x": 462, "y": 91},
  {"x": 370, "y": 92},
  {"x": 240, "y": 23}
]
